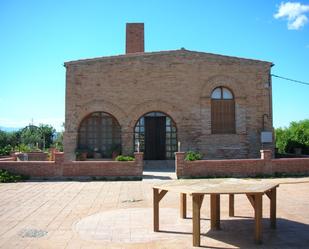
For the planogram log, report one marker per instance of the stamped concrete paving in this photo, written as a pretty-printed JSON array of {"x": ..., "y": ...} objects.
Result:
[{"x": 119, "y": 215}]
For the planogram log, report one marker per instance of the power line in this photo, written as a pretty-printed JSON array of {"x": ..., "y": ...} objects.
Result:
[{"x": 296, "y": 81}]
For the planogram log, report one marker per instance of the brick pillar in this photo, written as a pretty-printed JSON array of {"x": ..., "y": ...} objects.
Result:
[
  {"x": 13, "y": 154},
  {"x": 52, "y": 153},
  {"x": 180, "y": 163},
  {"x": 59, "y": 157},
  {"x": 139, "y": 159},
  {"x": 59, "y": 163},
  {"x": 266, "y": 155},
  {"x": 134, "y": 38}
]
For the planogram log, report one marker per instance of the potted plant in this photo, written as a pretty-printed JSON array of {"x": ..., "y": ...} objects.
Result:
[
  {"x": 81, "y": 154},
  {"x": 115, "y": 151},
  {"x": 193, "y": 156},
  {"x": 124, "y": 158},
  {"x": 96, "y": 153}
]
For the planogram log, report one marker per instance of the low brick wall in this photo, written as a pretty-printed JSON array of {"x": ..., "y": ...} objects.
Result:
[
  {"x": 30, "y": 156},
  {"x": 240, "y": 167},
  {"x": 7, "y": 158},
  {"x": 33, "y": 169},
  {"x": 37, "y": 156},
  {"x": 59, "y": 168},
  {"x": 102, "y": 168},
  {"x": 290, "y": 165}
]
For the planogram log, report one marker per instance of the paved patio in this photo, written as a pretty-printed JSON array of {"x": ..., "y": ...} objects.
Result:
[{"x": 119, "y": 215}]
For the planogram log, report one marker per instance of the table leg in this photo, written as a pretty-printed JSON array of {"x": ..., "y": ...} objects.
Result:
[
  {"x": 215, "y": 211},
  {"x": 196, "y": 218},
  {"x": 155, "y": 210},
  {"x": 273, "y": 216},
  {"x": 231, "y": 205},
  {"x": 183, "y": 206},
  {"x": 157, "y": 196},
  {"x": 258, "y": 213}
]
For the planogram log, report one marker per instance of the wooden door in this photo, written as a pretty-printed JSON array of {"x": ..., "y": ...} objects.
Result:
[{"x": 155, "y": 138}]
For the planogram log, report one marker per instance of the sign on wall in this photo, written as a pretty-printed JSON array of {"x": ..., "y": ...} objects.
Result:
[{"x": 266, "y": 137}]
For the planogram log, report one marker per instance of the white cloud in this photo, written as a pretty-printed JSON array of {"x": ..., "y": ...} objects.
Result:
[
  {"x": 294, "y": 13},
  {"x": 298, "y": 23}
]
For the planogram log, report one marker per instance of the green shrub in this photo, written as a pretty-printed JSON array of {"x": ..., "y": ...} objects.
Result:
[
  {"x": 124, "y": 158},
  {"x": 6, "y": 176},
  {"x": 193, "y": 155},
  {"x": 23, "y": 148},
  {"x": 294, "y": 136},
  {"x": 6, "y": 150}
]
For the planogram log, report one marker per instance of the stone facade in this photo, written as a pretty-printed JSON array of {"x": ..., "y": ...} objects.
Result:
[{"x": 178, "y": 83}]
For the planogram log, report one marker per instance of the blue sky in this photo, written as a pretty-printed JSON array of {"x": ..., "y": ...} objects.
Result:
[{"x": 37, "y": 37}]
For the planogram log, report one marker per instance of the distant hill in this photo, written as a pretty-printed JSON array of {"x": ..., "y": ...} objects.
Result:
[{"x": 9, "y": 129}]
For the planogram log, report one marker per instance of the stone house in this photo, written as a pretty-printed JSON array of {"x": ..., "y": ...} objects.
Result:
[{"x": 218, "y": 105}]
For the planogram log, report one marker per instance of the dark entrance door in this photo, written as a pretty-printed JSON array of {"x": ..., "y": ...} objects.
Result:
[{"x": 155, "y": 138}]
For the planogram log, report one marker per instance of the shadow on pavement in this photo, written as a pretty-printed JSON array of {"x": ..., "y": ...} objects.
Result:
[{"x": 240, "y": 234}]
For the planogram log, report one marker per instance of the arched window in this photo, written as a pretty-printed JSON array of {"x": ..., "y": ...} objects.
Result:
[
  {"x": 222, "y": 111},
  {"x": 99, "y": 135},
  {"x": 156, "y": 134}
]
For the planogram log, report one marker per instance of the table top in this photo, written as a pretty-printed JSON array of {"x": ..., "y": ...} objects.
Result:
[{"x": 217, "y": 186}]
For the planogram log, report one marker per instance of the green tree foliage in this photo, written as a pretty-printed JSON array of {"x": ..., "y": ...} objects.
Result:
[
  {"x": 58, "y": 141},
  {"x": 9, "y": 138},
  {"x": 295, "y": 136},
  {"x": 8, "y": 141},
  {"x": 38, "y": 136},
  {"x": 29, "y": 138},
  {"x": 47, "y": 133}
]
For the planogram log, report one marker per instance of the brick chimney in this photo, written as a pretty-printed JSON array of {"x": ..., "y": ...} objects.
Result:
[{"x": 134, "y": 38}]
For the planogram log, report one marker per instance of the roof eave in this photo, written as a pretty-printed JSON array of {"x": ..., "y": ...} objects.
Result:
[{"x": 162, "y": 52}]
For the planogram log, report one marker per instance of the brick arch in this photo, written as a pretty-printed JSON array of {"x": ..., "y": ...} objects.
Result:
[
  {"x": 89, "y": 114},
  {"x": 100, "y": 106},
  {"x": 231, "y": 83},
  {"x": 153, "y": 106}
]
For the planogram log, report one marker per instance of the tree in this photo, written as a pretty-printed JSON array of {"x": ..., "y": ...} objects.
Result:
[
  {"x": 295, "y": 136},
  {"x": 58, "y": 141},
  {"x": 8, "y": 141},
  {"x": 38, "y": 136},
  {"x": 47, "y": 134},
  {"x": 30, "y": 136}
]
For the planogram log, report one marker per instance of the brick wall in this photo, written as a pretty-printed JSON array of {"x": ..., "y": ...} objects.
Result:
[
  {"x": 178, "y": 83},
  {"x": 7, "y": 159},
  {"x": 33, "y": 168},
  {"x": 37, "y": 156},
  {"x": 31, "y": 156},
  {"x": 240, "y": 167},
  {"x": 59, "y": 168}
]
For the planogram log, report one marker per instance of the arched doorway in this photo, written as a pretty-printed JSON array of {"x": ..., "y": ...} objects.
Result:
[
  {"x": 156, "y": 135},
  {"x": 99, "y": 135}
]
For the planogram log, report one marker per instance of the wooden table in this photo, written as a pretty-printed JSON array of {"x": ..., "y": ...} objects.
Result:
[{"x": 197, "y": 189}]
